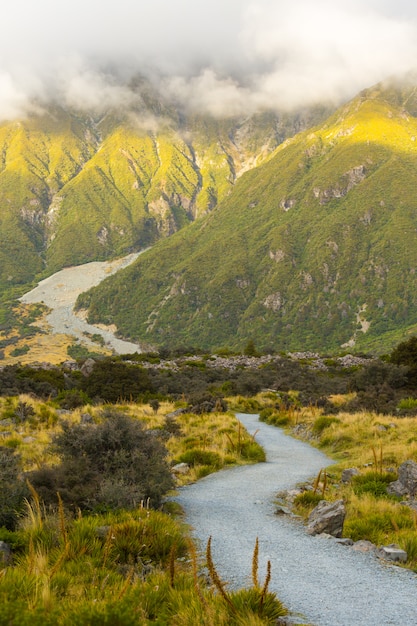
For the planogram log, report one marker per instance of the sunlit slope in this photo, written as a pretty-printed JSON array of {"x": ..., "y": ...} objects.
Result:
[
  {"x": 76, "y": 187},
  {"x": 314, "y": 249},
  {"x": 38, "y": 157}
]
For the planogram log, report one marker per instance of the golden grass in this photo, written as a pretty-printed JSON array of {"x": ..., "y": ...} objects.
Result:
[
  {"x": 358, "y": 436},
  {"x": 45, "y": 348},
  {"x": 213, "y": 432}
]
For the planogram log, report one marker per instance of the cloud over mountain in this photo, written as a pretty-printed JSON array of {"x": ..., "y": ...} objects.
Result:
[{"x": 222, "y": 58}]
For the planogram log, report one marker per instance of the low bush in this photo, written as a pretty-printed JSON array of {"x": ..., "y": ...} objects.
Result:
[
  {"x": 252, "y": 451},
  {"x": 323, "y": 422},
  {"x": 374, "y": 483},
  {"x": 197, "y": 456},
  {"x": 307, "y": 500},
  {"x": 116, "y": 463}
]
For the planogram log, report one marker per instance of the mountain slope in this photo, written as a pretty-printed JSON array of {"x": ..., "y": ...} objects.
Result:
[
  {"x": 315, "y": 249},
  {"x": 76, "y": 188}
]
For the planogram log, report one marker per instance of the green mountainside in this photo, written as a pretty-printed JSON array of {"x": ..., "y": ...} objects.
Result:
[
  {"x": 76, "y": 188},
  {"x": 314, "y": 249}
]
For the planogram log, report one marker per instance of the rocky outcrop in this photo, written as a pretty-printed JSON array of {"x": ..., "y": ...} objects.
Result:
[
  {"x": 349, "y": 473},
  {"x": 407, "y": 480},
  {"x": 181, "y": 468},
  {"x": 87, "y": 367},
  {"x": 327, "y": 517}
]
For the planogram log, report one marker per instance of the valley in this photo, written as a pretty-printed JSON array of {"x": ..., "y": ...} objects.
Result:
[
  {"x": 208, "y": 313},
  {"x": 313, "y": 249}
]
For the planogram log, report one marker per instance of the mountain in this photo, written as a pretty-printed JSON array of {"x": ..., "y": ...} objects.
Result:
[
  {"x": 315, "y": 249},
  {"x": 77, "y": 187}
]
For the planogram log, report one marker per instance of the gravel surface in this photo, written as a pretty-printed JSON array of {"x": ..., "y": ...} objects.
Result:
[
  {"x": 328, "y": 584},
  {"x": 60, "y": 292}
]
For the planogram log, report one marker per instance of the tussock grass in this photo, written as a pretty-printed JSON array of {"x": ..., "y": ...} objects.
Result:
[
  {"x": 115, "y": 567},
  {"x": 119, "y": 568},
  {"x": 207, "y": 442}
]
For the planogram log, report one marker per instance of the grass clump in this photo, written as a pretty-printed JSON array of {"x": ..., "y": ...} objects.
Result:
[
  {"x": 323, "y": 422},
  {"x": 197, "y": 456},
  {"x": 374, "y": 483},
  {"x": 307, "y": 500},
  {"x": 118, "y": 568},
  {"x": 252, "y": 603}
]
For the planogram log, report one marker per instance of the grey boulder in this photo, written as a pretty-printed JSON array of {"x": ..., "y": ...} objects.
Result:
[{"x": 327, "y": 517}]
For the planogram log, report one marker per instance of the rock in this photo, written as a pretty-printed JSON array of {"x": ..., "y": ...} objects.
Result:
[
  {"x": 87, "y": 367},
  {"x": 5, "y": 553},
  {"x": 410, "y": 503},
  {"x": 86, "y": 418},
  {"x": 70, "y": 365},
  {"x": 407, "y": 475},
  {"x": 393, "y": 553},
  {"x": 282, "y": 510},
  {"x": 292, "y": 494},
  {"x": 345, "y": 541},
  {"x": 364, "y": 546},
  {"x": 396, "y": 488},
  {"x": 180, "y": 468},
  {"x": 176, "y": 413},
  {"x": 28, "y": 439},
  {"x": 407, "y": 480},
  {"x": 327, "y": 517},
  {"x": 103, "y": 531},
  {"x": 348, "y": 474}
]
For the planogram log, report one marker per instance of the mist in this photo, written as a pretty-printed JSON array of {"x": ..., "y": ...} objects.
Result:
[{"x": 223, "y": 58}]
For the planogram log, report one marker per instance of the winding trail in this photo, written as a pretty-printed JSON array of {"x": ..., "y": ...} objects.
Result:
[{"x": 329, "y": 584}]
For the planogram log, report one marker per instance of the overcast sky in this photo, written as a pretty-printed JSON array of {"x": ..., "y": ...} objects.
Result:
[{"x": 221, "y": 56}]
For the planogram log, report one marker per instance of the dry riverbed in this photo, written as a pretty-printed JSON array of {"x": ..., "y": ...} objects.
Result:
[{"x": 60, "y": 291}]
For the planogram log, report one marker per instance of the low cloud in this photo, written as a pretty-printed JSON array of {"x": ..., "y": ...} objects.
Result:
[{"x": 210, "y": 58}]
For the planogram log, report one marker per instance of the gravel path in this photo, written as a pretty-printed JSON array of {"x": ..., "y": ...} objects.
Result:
[
  {"x": 60, "y": 292},
  {"x": 329, "y": 584}
]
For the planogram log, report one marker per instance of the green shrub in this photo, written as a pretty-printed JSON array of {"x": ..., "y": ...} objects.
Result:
[
  {"x": 373, "y": 483},
  {"x": 20, "y": 351},
  {"x": 197, "y": 456},
  {"x": 265, "y": 414},
  {"x": 15, "y": 539},
  {"x": 148, "y": 537},
  {"x": 407, "y": 403},
  {"x": 252, "y": 451},
  {"x": 72, "y": 399},
  {"x": 307, "y": 499},
  {"x": 112, "y": 381},
  {"x": 323, "y": 422},
  {"x": 254, "y": 602},
  {"x": 375, "y": 527},
  {"x": 408, "y": 542},
  {"x": 279, "y": 419},
  {"x": 204, "y": 470},
  {"x": 114, "y": 464}
]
